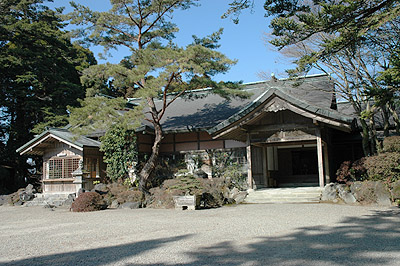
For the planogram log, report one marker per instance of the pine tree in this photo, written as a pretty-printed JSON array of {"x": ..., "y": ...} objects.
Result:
[{"x": 156, "y": 66}]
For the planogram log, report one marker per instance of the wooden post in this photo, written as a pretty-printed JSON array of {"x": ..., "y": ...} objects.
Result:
[
  {"x": 249, "y": 172},
  {"x": 326, "y": 164},
  {"x": 265, "y": 169},
  {"x": 320, "y": 158}
]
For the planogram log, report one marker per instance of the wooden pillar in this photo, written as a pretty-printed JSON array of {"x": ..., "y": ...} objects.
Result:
[
  {"x": 320, "y": 158},
  {"x": 265, "y": 168},
  {"x": 326, "y": 164},
  {"x": 249, "y": 172}
]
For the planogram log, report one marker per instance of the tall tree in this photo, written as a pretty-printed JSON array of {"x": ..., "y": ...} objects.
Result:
[
  {"x": 156, "y": 66},
  {"x": 39, "y": 74}
]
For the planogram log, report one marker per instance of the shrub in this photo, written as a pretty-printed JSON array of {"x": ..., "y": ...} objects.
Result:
[
  {"x": 350, "y": 172},
  {"x": 384, "y": 166},
  {"x": 213, "y": 191},
  {"x": 391, "y": 144},
  {"x": 87, "y": 202},
  {"x": 129, "y": 196},
  {"x": 119, "y": 147}
]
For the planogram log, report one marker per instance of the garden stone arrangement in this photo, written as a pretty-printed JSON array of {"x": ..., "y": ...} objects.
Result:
[{"x": 366, "y": 193}]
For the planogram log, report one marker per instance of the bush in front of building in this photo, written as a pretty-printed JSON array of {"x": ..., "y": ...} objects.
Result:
[
  {"x": 384, "y": 167},
  {"x": 351, "y": 172},
  {"x": 87, "y": 202}
]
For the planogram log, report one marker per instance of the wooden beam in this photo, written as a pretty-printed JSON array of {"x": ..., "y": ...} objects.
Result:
[
  {"x": 249, "y": 172},
  {"x": 278, "y": 127},
  {"x": 320, "y": 159}
]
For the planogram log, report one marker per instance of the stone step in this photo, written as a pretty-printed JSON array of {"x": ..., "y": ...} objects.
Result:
[
  {"x": 284, "y": 195},
  {"x": 48, "y": 199}
]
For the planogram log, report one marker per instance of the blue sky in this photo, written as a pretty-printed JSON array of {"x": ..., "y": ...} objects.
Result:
[{"x": 243, "y": 41}]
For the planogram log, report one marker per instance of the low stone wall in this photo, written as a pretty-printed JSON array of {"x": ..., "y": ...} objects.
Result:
[{"x": 367, "y": 193}]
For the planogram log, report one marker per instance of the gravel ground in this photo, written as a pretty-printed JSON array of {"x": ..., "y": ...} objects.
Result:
[{"x": 252, "y": 234}]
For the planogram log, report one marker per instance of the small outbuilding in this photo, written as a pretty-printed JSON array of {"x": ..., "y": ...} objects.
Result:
[{"x": 63, "y": 154}]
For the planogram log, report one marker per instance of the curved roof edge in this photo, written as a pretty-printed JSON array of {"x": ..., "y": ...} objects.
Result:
[{"x": 330, "y": 114}]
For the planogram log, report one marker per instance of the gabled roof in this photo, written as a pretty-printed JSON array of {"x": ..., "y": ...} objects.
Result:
[
  {"x": 205, "y": 110},
  {"x": 62, "y": 135},
  {"x": 325, "y": 115}
]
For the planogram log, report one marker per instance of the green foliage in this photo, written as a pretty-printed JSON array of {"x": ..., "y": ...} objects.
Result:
[
  {"x": 120, "y": 152},
  {"x": 101, "y": 114},
  {"x": 349, "y": 20},
  {"x": 384, "y": 167},
  {"x": 39, "y": 74},
  {"x": 88, "y": 202},
  {"x": 227, "y": 168},
  {"x": 157, "y": 67},
  {"x": 391, "y": 144}
]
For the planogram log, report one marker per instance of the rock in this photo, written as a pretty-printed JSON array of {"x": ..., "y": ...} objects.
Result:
[
  {"x": 239, "y": 197},
  {"x": 200, "y": 174},
  {"x": 345, "y": 195},
  {"x": 18, "y": 203},
  {"x": 229, "y": 201},
  {"x": 3, "y": 200},
  {"x": 132, "y": 205},
  {"x": 382, "y": 194},
  {"x": 364, "y": 192},
  {"x": 233, "y": 193},
  {"x": 114, "y": 204},
  {"x": 101, "y": 189},
  {"x": 396, "y": 190},
  {"x": 29, "y": 189},
  {"x": 25, "y": 196},
  {"x": 329, "y": 193}
]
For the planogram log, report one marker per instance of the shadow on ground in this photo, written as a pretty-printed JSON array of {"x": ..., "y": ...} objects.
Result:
[
  {"x": 366, "y": 240},
  {"x": 369, "y": 240}
]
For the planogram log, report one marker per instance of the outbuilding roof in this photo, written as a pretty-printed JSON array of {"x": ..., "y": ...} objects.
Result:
[{"x": 63, "y": 135}]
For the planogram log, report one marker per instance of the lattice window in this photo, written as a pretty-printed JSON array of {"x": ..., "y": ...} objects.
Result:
[
  {"x": 62, "y": 167},
  {"x": 92, "y": 167}
]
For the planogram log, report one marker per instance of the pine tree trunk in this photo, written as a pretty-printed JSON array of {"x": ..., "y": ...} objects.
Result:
[
  {"x": 386, "y": 124},
  {"x": 365, "y": 137},
  {"x": 395, "y": 118},
  {"x": 151, "y": 163}
]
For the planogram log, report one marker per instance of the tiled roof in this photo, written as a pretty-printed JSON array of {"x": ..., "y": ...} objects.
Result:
[
  {"x": 64, "y": 134},
  {"x": 206, "y": 110}
]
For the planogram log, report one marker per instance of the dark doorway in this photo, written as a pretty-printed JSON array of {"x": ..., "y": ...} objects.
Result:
[{"x": 297, "y": 167}]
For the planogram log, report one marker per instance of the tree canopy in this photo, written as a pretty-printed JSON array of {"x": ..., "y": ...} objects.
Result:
[
  {"x": 39, "y": 73},
  {"x": 156, "y": 66}
]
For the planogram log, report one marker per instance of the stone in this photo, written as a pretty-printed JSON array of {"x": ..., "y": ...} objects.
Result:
[
  {"x": 29, "y": 189},
  {"x": 24, "y": 196},
  {"x": 186, "y": 202},
  {"x": 382, "y": 194},
  {"x": 229, "y": 201},
  {"x": 346, "y": 195},
  {"x": 233, "y": 192},
  {"x": 18, "y": 203},
  {"x": 101, "y": 189},
  {"x": 3, "y": 200},
  {"x": 131, "y": 205},
  {"x": 114, "y": 204},
  {"x": 200, "y": 174},
  {"x": 329, "y": 193},
  {"x": 239, "y": 197},
  {"x": 396, "y": 190}
]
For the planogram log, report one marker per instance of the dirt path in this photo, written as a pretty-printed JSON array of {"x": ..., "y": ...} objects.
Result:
[{"x": 265, "y": 234}]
